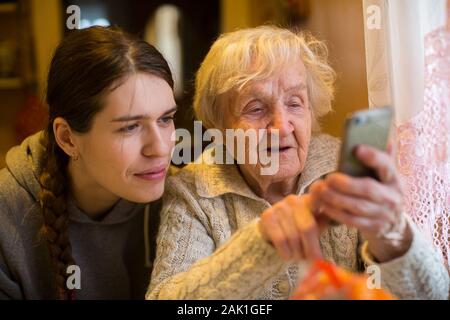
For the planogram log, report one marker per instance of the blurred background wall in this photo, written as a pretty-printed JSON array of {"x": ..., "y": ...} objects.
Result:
[{"x": 31, "y": 29}]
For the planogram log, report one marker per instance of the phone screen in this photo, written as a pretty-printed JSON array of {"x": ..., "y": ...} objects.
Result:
[{"x": 369, "y": 127}]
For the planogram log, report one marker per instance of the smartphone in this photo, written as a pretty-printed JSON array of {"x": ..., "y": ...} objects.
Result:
[{"x": 369, "y": 126}]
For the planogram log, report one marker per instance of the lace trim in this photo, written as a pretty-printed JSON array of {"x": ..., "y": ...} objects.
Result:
[{"x": 423, "y": 146}]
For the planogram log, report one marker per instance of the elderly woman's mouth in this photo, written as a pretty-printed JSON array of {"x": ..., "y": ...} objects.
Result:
[{"x": 279, "y": 149}]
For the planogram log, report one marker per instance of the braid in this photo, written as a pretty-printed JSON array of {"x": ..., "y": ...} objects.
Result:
[{"x": 54, "y": 181}]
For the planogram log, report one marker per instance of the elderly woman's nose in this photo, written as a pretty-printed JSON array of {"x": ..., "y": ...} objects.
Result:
[{"x": 280, "y": 121}]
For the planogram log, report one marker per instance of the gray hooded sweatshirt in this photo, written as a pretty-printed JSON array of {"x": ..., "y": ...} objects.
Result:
[{"x": 113, "y": 254}]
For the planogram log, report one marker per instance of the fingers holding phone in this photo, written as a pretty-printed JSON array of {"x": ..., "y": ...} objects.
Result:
[{"x": 366, "y": 192}]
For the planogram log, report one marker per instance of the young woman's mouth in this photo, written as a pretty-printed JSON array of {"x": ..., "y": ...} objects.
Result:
[{"x": 153, "y": 174}]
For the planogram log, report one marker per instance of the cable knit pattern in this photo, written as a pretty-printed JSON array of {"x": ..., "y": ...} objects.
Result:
[
  {"x": 404, "y": 281},
  {"x": 209, "y": 246}
]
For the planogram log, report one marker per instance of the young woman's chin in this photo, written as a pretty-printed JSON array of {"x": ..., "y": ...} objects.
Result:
[{"x": 146, "y": 194}]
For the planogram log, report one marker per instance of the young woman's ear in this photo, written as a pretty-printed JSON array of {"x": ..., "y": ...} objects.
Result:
[{"x": 64, "y": 137}]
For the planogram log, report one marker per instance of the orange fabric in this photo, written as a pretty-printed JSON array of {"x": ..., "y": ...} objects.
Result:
[{"x": 328, "y": 281}]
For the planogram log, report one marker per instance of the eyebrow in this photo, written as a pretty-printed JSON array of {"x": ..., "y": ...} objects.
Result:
[{"x": 142, "y": 116}]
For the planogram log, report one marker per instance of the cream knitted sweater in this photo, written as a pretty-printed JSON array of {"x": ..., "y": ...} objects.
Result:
[{"x": 209, "y": 247}]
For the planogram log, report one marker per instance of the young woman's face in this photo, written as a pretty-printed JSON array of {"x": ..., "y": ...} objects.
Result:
[{"x": 128, "y": 149}]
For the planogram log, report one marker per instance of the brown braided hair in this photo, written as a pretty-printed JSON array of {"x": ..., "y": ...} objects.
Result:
[{"x": 87, "y": 65}]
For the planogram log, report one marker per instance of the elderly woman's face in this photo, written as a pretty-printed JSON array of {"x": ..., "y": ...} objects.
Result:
[{"x": 280, "y": 102}]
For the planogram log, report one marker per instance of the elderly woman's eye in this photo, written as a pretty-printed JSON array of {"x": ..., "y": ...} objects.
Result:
[
  {"x": 296, "y": 104},
  {"x": 254, "y": 110}
]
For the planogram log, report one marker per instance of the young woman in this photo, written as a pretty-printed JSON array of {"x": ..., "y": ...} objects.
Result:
[{"x": 73, "y": 198}]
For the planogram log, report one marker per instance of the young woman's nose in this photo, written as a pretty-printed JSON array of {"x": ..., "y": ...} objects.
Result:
[{"x": 156, "y": 144}]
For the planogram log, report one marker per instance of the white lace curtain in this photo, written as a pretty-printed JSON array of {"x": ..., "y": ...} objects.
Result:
[{"x": 408, "y": 67}]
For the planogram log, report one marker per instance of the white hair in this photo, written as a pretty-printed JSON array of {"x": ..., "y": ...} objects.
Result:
[{"x": 253, "y": 54}]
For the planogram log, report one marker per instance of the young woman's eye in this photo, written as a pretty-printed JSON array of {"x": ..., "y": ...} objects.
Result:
[
  {"x": 129, "y": 129},
  {"x": 167, "y": 120}
]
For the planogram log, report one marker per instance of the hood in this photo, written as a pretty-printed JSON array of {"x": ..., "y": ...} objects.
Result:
[{"x": 24, "y": 162}]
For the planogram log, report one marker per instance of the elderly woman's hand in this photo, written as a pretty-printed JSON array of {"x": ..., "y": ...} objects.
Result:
[
  {"x": 291, "y": 228},
  {"x": 373, "y": 207}
]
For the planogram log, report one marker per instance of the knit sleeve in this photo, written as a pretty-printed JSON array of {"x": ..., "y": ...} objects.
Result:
[
  {"x": 189, "y": 266},
  {"x": 418, "y": 274}
]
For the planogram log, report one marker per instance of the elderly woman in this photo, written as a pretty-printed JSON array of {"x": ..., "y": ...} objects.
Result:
[{"x": 229, "y": 232}]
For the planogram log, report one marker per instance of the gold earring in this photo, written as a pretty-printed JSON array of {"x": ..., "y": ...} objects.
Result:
[{"x": 74, "y": 157}]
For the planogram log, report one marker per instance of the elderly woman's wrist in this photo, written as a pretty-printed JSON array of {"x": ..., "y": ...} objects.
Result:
[{"x": 386, "y": 249}]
